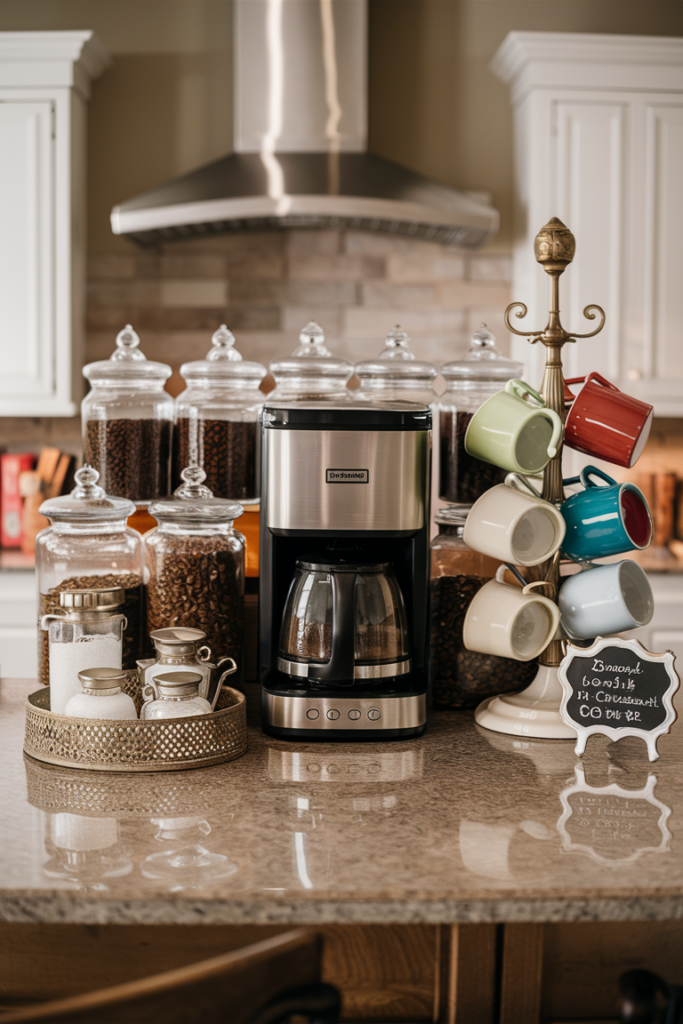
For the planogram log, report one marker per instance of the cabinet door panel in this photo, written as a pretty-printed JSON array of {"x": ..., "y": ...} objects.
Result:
[{"x": 27, "y": 251}]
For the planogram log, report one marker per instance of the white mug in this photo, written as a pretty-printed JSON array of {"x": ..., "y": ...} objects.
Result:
[
  {"x": 508, "y": 621},
  {"x": 605, "y": 599},
  {"x": 512, "y": 526}
]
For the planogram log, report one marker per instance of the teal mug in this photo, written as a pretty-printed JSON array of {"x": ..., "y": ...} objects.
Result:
[
  {"x": 604, "y": 520},
  {"x": 515, "y": 430}
]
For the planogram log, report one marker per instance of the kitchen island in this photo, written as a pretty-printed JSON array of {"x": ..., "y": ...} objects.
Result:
[{"x": 461, "y": 876}]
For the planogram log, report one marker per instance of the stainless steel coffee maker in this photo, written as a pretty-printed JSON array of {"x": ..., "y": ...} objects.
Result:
[{"x": 343, "y": 596}]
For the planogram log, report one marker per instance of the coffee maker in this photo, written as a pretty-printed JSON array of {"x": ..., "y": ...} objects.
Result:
[{"x": 344, "y": 570}]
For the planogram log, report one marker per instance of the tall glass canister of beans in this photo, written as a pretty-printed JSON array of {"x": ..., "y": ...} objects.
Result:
[
  {"x": 470, "y": 381},
  {"x": 461, "y": 678},
  {"x": 194, "y": 566},
  {"x": 88, "y": 546},
  {"x": 128, "y": 422},
  {"x": 217, "y": 428}
]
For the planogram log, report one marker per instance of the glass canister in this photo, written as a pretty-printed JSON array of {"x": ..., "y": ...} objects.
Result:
[
  {"x": 462, "y": 678},
  {"x": 469, "y": 382},
  {"x": 128, "y": 422},
  {"x": 101, "y": 696},
  {"x": 194, "y": 566},
  {"x": 311, "y": 373},
  {"x": 174, "y": 695},
  {"x": 217, "y": 421},
  {"x": 87, "y": 631},
  {"x": 86, "y": 546},
  {"x": 396, "y": 375}
]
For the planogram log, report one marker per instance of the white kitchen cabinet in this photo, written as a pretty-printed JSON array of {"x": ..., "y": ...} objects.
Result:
[
  {"x": 18, "y": 624},
  {"x": 44, "y": 87},
  {"x": 599, "y": 144}
]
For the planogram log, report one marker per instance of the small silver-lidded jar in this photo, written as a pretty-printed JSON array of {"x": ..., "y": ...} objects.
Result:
[
  {"x": 101, "y": 696},
  {"x": 396, "y": 375},
  {"x": 470, "y": 381},
  {"x": 86, "y": 630},
  {"x": 89, "y": 546},
  {"x": 217, "y": 421},
  {"x": 173, "y": 695},
  {"x": 311, "y": 373},
  {"x": 128, "y": 422}
]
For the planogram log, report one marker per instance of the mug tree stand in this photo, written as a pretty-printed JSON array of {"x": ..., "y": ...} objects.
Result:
[{"x": 535, "y": 712}]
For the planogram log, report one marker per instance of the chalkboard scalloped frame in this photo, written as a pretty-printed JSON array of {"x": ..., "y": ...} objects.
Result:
[{"x": 649, "y": 736}]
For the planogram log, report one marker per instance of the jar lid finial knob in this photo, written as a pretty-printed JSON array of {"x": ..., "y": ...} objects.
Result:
[
  {"x": 86, "y": 484},
  {"x": 193, "y": 485},
  {"x": 312, "y": 341},
  {"x": 127, "y": 346},
  {"x": 223, "y": 342},
  {"x": 397, "y": 345}
]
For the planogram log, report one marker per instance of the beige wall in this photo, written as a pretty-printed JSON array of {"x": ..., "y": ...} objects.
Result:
[{"x": 164, "y": 106}]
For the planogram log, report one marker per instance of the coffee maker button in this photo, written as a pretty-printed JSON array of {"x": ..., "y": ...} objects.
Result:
[
  {"x": 374, "y": 714},
  {"x": 333, "y": 714},
  {"x": 312, "y": 713},
  {"x": 354, "y": 714}
]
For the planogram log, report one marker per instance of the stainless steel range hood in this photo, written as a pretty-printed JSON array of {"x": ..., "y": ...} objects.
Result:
[{"x": 300, "y": 155}]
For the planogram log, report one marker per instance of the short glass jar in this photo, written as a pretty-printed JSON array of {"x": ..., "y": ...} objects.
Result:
[
  {"x": 311, "y": 373},
  {"x": 88, "y": 545},
  {"x": 396, "y": 375},
  {"x": 194, "y": 566},
  {"x": 217, "y": 421},
  {"x": 460, "y": 678},
  {"x": 101, "y": 696},
  {"x": 85, "y": 632},
  {"x": 470, "y": 381},
  {"x": 173, "y": 695},
  {"x": 128, "y": 422}
]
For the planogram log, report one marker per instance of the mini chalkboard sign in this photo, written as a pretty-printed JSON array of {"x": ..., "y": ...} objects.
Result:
[{"x": 617, "y": 688}]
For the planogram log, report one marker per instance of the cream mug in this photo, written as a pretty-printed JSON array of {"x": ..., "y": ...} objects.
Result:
[
  {"x": 511, "y": 622},
  {"x": 515, "y": 430},
  {"x": 512, "y": 526}
]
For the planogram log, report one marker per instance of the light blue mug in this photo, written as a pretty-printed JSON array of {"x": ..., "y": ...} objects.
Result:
[{"x": 604, "y": 520}]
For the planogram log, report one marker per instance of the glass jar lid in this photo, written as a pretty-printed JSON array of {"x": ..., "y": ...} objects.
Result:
[
  {"x": 397, "y": 345},
  {"x": 312, "y": 361},
  {"x": 396, "y": 365},
  {"x": 482, "y": 361},
  {"x": 193, "y": 503},
  {"x": 223, "y": 364},
  {"x": 127, "y": 362},
  {"x": 87, "y": 502}
]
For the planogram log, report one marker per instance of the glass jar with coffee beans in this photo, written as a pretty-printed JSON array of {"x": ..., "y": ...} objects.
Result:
[
  {"x": 194, "y": 566},
  {"x": 470, "y": 381},
  {"x": 88, "y": 546},
  {"x": 128, "y": 422},
  {"x": 462, "y": 678}
]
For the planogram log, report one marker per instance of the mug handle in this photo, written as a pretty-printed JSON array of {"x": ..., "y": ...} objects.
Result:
[
  {"x": 541, "y": 583},
  {"x": 574, "y": 380},
  {"x": 584, "y": 477},
  {"x": 556, "y": 438},
  {"x": 601, "y": 380},
  {"x": 515, "y": 479},
  {"x": 520, "y": 389}
]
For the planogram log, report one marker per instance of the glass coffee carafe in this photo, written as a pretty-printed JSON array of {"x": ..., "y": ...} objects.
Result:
[{"x": 344, "y": 624}]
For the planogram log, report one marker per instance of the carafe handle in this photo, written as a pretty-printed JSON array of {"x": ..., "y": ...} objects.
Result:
[
  {"x": 228, "y": 672},
  {"x": 339, "y": 669}
]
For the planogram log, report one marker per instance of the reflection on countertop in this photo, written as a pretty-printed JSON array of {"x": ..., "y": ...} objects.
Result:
[{"x": 459, "y": 825}]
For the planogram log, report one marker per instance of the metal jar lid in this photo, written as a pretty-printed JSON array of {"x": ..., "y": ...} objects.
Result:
[
  {"x": 178, "y": 635},
  {"x": 102, "y": 679},
  {"x": 178, "y": 684},
  {"x": 94, "y": 600}
]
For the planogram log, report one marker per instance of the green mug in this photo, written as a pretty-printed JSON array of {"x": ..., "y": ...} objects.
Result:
[{"x": 514, "y": 434}]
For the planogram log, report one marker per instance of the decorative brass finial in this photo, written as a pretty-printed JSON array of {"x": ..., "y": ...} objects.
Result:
[{"x": 554, "y": 245}]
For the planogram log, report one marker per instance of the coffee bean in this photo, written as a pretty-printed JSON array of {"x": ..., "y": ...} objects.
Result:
[
  {"x": 227, "y": 451},
  {"x": 462, "y": 678},
  {"x": 132, "y": 456},
  {"x": 462, "y": 477}
]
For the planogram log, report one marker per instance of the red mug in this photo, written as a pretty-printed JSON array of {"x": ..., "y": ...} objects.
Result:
[{"x": 606, "y": 423}]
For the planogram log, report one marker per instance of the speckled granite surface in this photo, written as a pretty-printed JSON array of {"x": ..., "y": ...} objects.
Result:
[{"x": 460, "y": 825}]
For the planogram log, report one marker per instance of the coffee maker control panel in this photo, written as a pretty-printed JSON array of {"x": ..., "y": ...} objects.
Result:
[{"x": 311, "y": 712}]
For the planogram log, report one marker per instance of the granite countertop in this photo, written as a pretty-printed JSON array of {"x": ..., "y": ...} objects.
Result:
[{"x": 459, "y": 825}]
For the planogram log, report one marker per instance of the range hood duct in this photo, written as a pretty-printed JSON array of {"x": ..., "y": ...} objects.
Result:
[{"x": 300, "y": 160}]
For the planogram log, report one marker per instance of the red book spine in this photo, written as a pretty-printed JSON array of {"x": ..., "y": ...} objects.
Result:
[{"x": 11, "y": 526}]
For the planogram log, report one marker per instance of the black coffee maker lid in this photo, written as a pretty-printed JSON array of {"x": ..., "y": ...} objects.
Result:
[{"x": 356, "y": 567}]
